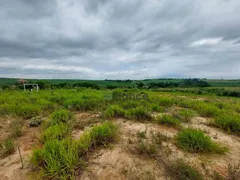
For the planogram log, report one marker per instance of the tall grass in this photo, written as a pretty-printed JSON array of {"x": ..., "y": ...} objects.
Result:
[
  {"x": 6, "y": 147},
  {"x": 58, "y": 159},
  {"x": 139, "y": 114},
  {"x": 168, "y": 120},
  {"x": 228, "y": 122},
  {"x": 56, "y": 132},
  {"x": 194, "y": 140}
]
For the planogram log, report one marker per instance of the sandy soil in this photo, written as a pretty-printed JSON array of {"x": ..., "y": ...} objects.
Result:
[{"x": 117, "y": 162}]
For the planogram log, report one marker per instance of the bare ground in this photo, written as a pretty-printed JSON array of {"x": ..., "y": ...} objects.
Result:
[{"x": 118, "y": 162}]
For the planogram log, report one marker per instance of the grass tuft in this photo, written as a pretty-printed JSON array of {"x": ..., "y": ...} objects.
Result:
[
  {"x": 228, "y": 122},
  {"x": 139, "y": 114},
  {"x": 183, "y": 171},
  {"x": 168, "y": 120},
  {"x": 7, "y": 147},
  {"x": 194, "y": 140}
]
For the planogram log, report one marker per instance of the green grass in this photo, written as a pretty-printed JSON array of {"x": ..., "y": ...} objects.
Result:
[
  {"x": 139, "y": 114},
  {"x": 59, "y": 116},
  {"x": 58, "y": 159},
  {"x": 114, "y": 111},
  {"x": 194, "y": 140},
  {"x": 185, "y": 115},
  {"x": 7, "y": 147},
  {"x": 56, "y": 132},
  {"x": 168, "y": 121},
  {"x": 228, "y": 122}
]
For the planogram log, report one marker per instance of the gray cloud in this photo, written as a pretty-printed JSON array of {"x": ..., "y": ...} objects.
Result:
[{"x": 120, "y": 39}]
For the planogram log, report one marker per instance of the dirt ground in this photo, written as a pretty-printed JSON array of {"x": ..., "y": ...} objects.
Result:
[{"x": 117, "y": 162}]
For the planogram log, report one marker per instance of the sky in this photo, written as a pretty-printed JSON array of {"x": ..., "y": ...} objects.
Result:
[{"x": 120, "y": 39}]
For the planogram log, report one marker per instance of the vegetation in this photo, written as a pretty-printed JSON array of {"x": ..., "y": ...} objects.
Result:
[
  {"x": 7, "y": 147},
  {"x": 60, "y": 158},
  {"x": 168, "y": 120},
  {"x": 228, "y": 122},
  {"x": 184, "y": 171},
  {"x": 194, "y": 140}
]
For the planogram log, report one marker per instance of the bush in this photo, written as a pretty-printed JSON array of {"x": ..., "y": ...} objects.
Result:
[
  {"x": 194, "y": 140},
  {"x": 7, "y": 147},
  {"x": 140, "y": 114},
  {"x": 168, "y": 120},
  {"x": 228, "y": 122}
]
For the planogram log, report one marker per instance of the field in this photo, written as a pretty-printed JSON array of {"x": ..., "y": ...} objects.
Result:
[{"x": 80, "y": 134}]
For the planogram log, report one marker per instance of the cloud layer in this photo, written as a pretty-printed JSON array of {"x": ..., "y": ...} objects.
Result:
[{"x": 122, "y": 39}]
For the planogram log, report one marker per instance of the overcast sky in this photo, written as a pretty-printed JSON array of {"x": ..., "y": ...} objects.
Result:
[{"x": 120, "y": 39}]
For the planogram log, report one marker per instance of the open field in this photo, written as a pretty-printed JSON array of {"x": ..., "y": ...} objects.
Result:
[{"x": 79, "y": 134}]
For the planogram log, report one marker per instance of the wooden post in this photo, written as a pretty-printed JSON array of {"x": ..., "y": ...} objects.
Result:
[{"x": 20, "y": 154}]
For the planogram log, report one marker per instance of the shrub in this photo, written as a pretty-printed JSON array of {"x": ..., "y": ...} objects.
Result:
[
  {"x": 194, "y": 140},
  {"x": 56, "y": 132},
  {"x": 228, "y": 122},
  {"x": 114, "y": 111},
  {"x": 139, "y": 114},
  {"x": 168, "y": 120},
  {"x": 183, "y": 171},
  {"x": 7, "y": 147},
  {"x": 59, "y": 116}
]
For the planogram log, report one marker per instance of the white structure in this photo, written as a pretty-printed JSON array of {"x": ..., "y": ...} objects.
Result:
[{"x": 33, "y": 86}]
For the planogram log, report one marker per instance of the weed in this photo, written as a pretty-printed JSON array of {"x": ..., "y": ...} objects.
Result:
[
  {"x": 168, "y": 120},
  {"x": 194, "y": 140}
]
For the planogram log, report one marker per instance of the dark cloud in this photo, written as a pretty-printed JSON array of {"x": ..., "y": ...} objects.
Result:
[{"x": 119, "y": 39}]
